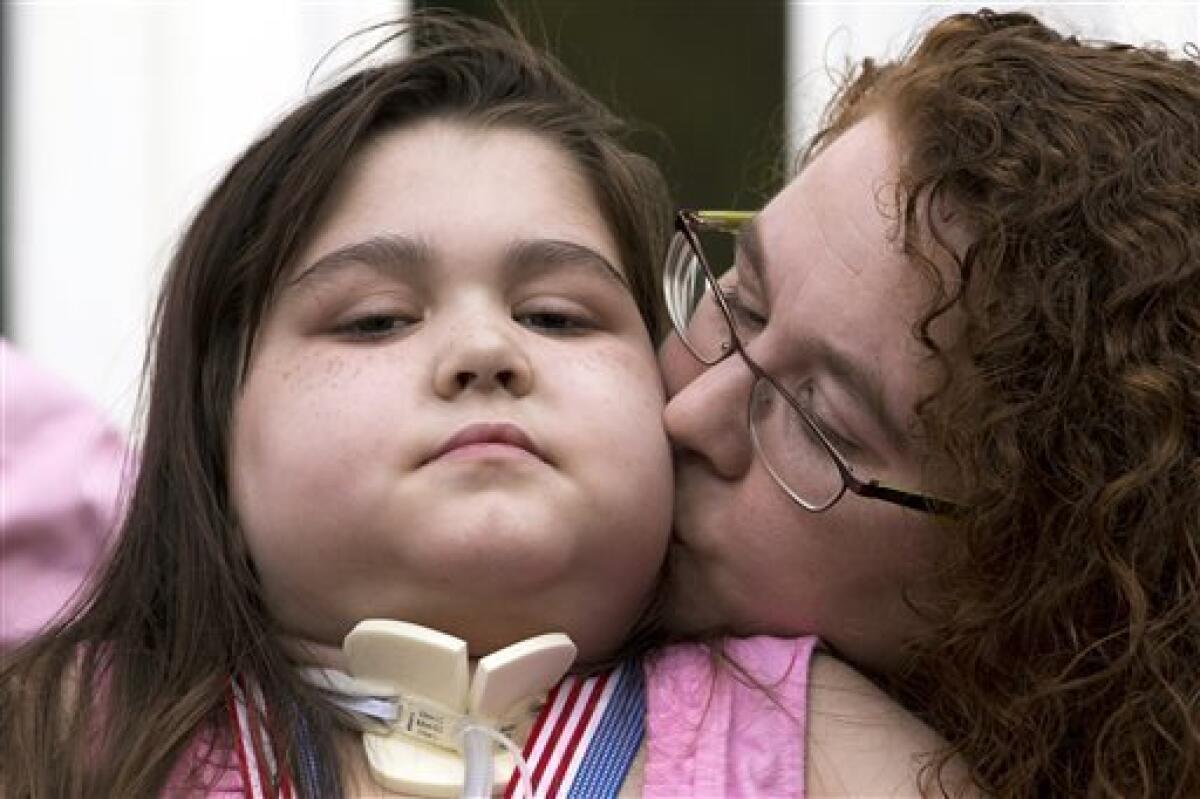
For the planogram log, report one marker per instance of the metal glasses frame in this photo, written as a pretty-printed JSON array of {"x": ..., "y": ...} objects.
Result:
[{"x": 686, "y": 224}]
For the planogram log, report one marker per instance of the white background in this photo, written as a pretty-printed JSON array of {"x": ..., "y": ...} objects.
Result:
[
  {"x": 823, "y": 35},
  {"x": 120, "y": 117}
]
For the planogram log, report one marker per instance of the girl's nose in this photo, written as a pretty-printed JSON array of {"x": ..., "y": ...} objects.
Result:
[{"x": 483, "y": 358}]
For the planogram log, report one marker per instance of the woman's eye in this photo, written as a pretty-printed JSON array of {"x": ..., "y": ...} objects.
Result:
[
  {"x": 844, "y": 445},
  {"x": 554, "y": 322},
  {"x": 373, "y": 326},
  {"x": 745, "y": 317}
]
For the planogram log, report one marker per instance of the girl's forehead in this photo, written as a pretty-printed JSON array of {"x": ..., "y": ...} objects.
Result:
[{"x": 461, "y": 191}]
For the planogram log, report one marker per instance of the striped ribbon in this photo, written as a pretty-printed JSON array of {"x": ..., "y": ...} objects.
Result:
[
  {"x": 586, "y": 736},
  {"x": 580, "y": 747},
  {"x": 261, "y": 776}
]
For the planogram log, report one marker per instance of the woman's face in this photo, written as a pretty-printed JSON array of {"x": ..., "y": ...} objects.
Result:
[
  {"x": 822, "y": 267},
  {"x": 453, "y": 410}
]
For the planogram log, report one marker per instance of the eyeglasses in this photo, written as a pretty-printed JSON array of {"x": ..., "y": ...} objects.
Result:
[{"x": 796, "y": 447}]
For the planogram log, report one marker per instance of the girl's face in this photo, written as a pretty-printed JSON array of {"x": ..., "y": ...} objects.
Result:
[{"x": 453, "y": 410}]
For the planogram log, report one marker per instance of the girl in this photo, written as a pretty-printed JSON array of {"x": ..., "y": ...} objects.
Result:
[{"x": 389, "y": 358}]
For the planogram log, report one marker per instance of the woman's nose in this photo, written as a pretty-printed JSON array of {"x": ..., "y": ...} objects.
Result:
[
  {"x": 483, "y": 357},
  {"x": 708, "y": 414}
]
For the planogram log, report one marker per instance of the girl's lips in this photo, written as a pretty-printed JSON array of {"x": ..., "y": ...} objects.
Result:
[{"x": 487, "y": 438}]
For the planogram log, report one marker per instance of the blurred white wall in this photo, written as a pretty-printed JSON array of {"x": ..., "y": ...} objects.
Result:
[
  {"x": 825, "y": 36},
  {"x": 122, "y": 114},
  {"x": 120, "y": 117}
]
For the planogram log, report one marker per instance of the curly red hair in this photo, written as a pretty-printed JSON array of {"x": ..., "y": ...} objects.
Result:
[{"x": 1064, "y": 643}]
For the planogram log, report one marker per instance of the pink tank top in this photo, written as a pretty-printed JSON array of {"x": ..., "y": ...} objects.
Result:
[{"x": 710, "y": 731}]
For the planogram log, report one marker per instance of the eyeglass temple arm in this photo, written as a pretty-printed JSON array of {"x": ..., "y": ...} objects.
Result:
[
  {"x": 726, "y": 221},
  {"x": 918, "y": 502}
]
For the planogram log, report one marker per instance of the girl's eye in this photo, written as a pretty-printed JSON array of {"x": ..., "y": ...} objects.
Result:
[
  {"x": 746, "y": 318},
  {"x": 373, "y": 327},
  {"x": 554, "y": 322}
]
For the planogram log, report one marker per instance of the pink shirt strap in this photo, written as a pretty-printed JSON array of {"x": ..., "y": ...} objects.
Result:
[{"x": 714, "y": 731}]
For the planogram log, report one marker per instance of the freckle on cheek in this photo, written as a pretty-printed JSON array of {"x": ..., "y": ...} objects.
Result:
[
  {"x": 624, "y": 370},
  {"x": 318, "y": 375}
]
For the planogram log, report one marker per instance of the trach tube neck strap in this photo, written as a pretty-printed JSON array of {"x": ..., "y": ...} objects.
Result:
[{"x": 425, "y": 730}]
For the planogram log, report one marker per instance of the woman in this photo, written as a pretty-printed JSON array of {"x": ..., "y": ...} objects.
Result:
[{"x": 982, "y": 296}]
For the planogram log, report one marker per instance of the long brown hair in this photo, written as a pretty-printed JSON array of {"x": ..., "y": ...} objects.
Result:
[
  {"x": 1062, "y": 659},
  {"x": 104, "y": 703}
]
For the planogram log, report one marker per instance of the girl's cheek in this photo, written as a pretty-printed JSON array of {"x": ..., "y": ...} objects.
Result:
[{"x": 677, "y": 366}]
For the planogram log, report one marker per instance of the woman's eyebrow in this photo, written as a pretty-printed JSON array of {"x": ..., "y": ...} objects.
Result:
[
  {"x": 749, "y": 242},
  {"x": 860, "y": 381},
  {"x": 388, "y": 253}
]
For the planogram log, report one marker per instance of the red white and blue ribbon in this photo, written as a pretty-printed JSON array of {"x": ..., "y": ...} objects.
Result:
[
  {"x": 580, "y": 747},
  {"x": 261, "y": 776},
  {"x": 586, "y": 736}
]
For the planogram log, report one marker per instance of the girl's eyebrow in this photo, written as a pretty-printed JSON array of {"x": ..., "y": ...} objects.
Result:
[
  {"x": 394, "y": 253},
  {"x": 388, "y": 253},
  {"x": 540, "y": 255}
]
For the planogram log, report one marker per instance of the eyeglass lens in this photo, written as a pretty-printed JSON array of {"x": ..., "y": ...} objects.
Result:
[
  {"x": 789, "y": 447},
  {"x": 692, "y": 304},
  {"x": 792, "y": 450}
]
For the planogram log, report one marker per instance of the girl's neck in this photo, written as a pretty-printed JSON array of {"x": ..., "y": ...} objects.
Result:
[{"x": 306, "y": 653}]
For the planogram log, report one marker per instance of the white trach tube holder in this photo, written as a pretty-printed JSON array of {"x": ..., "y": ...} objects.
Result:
[{"x": 445, "y": 732}]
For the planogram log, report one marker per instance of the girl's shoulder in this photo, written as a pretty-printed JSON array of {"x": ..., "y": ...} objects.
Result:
[
  {"x": 780, "y": 717},
  {"x": 862, "y": 742}
]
